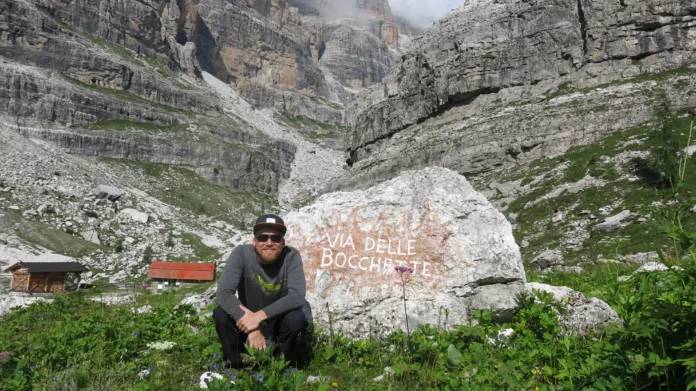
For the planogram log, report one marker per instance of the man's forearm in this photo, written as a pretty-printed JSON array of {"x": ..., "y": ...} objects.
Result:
[
  {"x": 283, "y": 305},
  {"x": 230, "y": 304},
  {"x": 228, "y": 285}
]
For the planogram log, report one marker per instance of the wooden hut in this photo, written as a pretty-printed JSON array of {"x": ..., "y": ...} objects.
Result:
[
  {"x": 166, "y": 275},
  {"x": 42, "y": 277}
]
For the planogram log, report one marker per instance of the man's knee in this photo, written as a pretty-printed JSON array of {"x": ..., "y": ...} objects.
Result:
[
  {"x": 221, "y": 318},
  {"x": 295, "y": 321}
]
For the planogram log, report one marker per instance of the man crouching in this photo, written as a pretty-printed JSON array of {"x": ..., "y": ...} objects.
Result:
[{"x": 271, "y": 307}]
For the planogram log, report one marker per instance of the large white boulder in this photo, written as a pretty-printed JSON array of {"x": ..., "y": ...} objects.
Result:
[{"x": 461, "y": 251}]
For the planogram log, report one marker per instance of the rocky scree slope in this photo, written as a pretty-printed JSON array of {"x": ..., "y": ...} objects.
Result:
[{"x": 495, "y": 83}]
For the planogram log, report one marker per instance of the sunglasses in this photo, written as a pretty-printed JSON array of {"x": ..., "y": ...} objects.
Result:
[{"x": 275, "y": 238}]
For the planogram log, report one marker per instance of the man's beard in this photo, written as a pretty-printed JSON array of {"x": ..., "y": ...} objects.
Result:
[{"x": 267, "y": 256}]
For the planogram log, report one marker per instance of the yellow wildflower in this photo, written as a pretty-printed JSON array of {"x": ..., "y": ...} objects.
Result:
[{"x": 334, "y": 384}]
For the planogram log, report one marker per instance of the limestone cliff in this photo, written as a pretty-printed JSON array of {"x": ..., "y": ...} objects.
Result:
[
  {"x": 499, "y": 82},
  {"x": 356, "y": 42}
]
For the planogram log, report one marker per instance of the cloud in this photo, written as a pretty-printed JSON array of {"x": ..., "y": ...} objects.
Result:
[
  {"x": 417, "y": 13},
  {"x": 422, "y": 13},
  {"x": 331, "y": 9}
]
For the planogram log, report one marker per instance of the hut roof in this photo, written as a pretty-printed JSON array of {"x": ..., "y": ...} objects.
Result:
[
  {"x": 48, "y": 267},
  {"x": 182, "y": 271}
]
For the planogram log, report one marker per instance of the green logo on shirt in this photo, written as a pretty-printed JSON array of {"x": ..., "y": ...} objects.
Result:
[{"x": 266, "y": 287}]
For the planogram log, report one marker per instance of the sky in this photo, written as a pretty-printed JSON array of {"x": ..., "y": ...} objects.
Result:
[{"x": 422, "y": 13}]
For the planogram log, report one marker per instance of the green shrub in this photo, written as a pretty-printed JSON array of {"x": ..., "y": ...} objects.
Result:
[{"x": 662, "y": 168}]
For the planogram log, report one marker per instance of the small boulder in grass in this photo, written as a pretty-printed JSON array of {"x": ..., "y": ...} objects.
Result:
[
  {"x": 207, "y": 377},
  {"x": 144, "y": 373}
]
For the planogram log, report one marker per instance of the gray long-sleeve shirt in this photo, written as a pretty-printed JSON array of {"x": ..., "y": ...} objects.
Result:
[{"x": 275, "y": 289}]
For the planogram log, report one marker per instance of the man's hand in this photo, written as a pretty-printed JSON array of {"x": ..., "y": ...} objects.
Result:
[
  {"x": 257, "y": 340},
  {"x": 250, "y": 321}
]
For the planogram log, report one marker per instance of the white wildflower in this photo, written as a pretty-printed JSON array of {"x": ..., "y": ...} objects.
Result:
[
  {"x": 207, "y": 377},
  {"x": 164, "y": 345}
]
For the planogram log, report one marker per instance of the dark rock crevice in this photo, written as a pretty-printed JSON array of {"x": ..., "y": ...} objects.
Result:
[
  {"x": 583, "y": 29},
  {"x": 208, "y": 52}
]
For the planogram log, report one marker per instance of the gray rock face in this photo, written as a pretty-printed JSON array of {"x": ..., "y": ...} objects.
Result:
[
  {"x": 474, "y": 92},
  {"x": 243, "y": 168},
  {"x": 33, "y": 95},
  {"x": 76, "y": 41},
  {"x": 264, "y": 62},
  {"x": 356, "y": 42},
  {"x": 614, "y": 223},
  {"x": 583, "y": 314},
  {"x": 460, "y": 250},
  {"x": 354, "y": 56},
  {"x": 547, "y": 258}
]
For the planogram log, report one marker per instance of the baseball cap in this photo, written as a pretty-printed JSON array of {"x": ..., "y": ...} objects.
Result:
[{"x": 270, "y": 221}]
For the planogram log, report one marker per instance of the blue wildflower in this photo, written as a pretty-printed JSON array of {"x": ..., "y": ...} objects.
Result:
[
  {"x": 135, "y": 333},
  {"x": 234, "y": 376},
  {"x": 214, "y": 366},
  {"x": 215, "y": 355},
  {"x": 54, "y": 378},
  {"x": 261, "y": 378}
]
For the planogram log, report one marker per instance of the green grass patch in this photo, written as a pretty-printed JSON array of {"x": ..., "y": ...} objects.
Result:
[
  {"x": 315, "y": 131},
  {"x": 301, "y": 121},
  {"x": 598, "y": 280},
  {"x": 181, "y": 187},
  {"x": 682, "y": 84},
  {"x": 202, "y": 253},
  {"x": 544, "y": 176},
  {"x": 48, "y": 237},
  {"x": 323, "y": 101},
  {"x": 566, "y": 89},
  {"x": 126, "y": 96},
  {"x": 122, "y": 125},
  {"x": 5, "y": 283}
]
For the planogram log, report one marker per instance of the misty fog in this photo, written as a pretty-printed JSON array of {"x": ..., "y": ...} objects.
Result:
[
  {"x": 417, "y": 13},
  {"x": 422, "y": 13}
]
